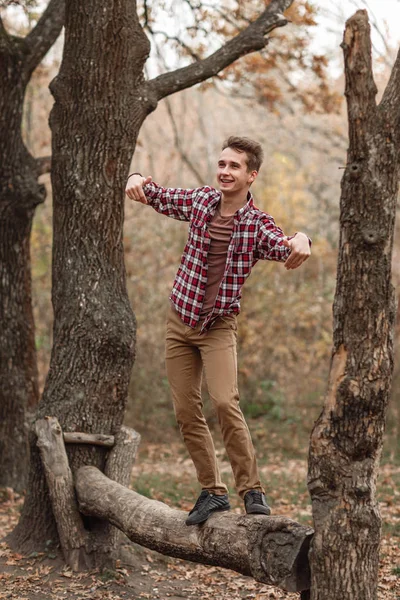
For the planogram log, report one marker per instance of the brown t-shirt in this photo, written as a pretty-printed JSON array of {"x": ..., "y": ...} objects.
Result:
[{"x": 220, "y": 230}]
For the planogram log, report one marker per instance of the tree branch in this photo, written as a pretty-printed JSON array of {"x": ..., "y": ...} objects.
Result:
[
  {"x": 249, "y": 40},
  {"x": 390, "y": 103},
  {"x": 179, "y": 146},
  {"x": 45, "y": 33},
  {"x": 360, "y": 88},
  {"x": 174, "y": 39}
]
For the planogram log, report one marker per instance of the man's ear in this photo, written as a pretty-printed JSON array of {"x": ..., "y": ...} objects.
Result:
[{"x": 252, "y": 176}]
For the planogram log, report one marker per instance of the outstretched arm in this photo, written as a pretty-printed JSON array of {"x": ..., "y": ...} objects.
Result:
[
  {"x": 171, "y": 202},
  {"x": 273, "y": 244}
]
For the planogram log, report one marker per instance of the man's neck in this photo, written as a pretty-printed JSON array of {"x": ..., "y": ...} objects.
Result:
[{"x": 231, "y": 204}]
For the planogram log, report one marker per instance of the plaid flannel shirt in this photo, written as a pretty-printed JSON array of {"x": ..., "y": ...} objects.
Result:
[{"x": 255, "y": 236}]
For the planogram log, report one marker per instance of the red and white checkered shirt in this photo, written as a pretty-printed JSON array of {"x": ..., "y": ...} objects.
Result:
[{"x": 255, "y": 236}]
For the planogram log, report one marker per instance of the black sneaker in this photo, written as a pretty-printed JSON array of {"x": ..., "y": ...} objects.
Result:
[
  {"x": 255, "y": 503},
  {"x": 206, "y": 504}
]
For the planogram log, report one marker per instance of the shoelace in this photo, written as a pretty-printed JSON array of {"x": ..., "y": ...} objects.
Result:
[
  {"x": 257, "y": 497},
  {"x": 200, "y": 500}
]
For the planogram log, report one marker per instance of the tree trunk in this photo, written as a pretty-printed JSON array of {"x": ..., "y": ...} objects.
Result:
[
  {"x": 95, "y": 121},
  {"x": 346, "y": 441},
  {"x": 273, "y": 550},
  {"x": 20, "y": 193}
]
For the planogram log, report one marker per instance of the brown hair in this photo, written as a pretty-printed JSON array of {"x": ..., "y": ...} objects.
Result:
[{"x": 253, "y": 150}]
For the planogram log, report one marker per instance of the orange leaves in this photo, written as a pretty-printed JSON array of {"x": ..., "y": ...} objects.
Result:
[{"x": 302, "y": 14}]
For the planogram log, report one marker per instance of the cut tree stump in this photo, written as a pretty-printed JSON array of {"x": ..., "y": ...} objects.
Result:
[
  {"x": 83, "y": 548},
  {"x": 74, "y": 539},
  {"x": 272, "y": 550}
]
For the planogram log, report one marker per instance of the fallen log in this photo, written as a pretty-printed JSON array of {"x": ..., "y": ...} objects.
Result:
[{"x": 272, "y": 550}]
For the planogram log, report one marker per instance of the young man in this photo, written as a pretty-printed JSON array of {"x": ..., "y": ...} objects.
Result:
[{"x": 227, "y": 236}]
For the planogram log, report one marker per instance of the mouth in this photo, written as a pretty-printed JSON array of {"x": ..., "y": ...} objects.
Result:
[{"x": 226, "y": 180}]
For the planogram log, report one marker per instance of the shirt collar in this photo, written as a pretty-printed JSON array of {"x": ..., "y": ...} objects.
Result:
[
  {"x": 242, "y": 211},
  {"x": 248, "y": 206}
]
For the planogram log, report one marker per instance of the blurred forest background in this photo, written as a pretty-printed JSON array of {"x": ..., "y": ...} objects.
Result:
[{"x": 285, "y": 325}]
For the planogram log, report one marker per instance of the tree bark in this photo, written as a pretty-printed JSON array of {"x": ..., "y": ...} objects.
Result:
[
  {"x": 20, "y": 193},
  {"x": 74, "y": 539},
  {"x": 273, "y": 550},
  {"x": 93, "y": 439},
  {"x": 95, "y": 121},
  {"x": 346, "y": 441}
]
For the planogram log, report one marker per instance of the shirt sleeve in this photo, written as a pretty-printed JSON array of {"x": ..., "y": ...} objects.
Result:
[
  {"x": 171, "y": 202},
  {"x": 270, "y": 241}
]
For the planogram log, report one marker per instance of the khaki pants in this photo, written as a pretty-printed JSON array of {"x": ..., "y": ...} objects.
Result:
[{"x": 187, "y": 353}]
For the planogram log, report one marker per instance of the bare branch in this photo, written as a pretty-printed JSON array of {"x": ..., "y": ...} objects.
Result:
[
  {"x": 146, "y": 14},
  {"x": 177, "y": 138},
  {"x": 225, "y": 16},
  {"x": 179, "y": 146},
  {"x": 249, "y": 40},
  {"x": 174, "y": 39},
  {"x": 45, "y": 33}
]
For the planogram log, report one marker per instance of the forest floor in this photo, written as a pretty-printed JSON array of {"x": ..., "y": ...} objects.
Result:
[{"x": 164, "y": 472}]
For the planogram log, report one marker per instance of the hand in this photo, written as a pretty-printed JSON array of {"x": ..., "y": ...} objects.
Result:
[
  {"x": 300, "y": 250},
  {"x": 134, "y": 188}
]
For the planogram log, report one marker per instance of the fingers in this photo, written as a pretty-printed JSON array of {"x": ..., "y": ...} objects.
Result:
[
  {"x": 134, "y": 188},
  {"x": 295, "y": 262},
  {"x": 136, "y": 195},
  {"x": 296, "y": 259},
  {"x": 300, "y": 252}
]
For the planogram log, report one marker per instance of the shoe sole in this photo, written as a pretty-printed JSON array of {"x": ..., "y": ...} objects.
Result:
[{"x": 197, "y": 522}]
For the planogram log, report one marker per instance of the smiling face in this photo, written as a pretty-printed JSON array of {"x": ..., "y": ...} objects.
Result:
[{"x": 233, "y": 175}]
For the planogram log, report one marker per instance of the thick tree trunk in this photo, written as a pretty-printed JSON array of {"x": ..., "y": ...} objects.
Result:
[
  {"x": 95, "y": 122},
  {"x": 19, "y": 195},
  {"x": 347, "y": 438},
  {"x": 273, "y": 550}
]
